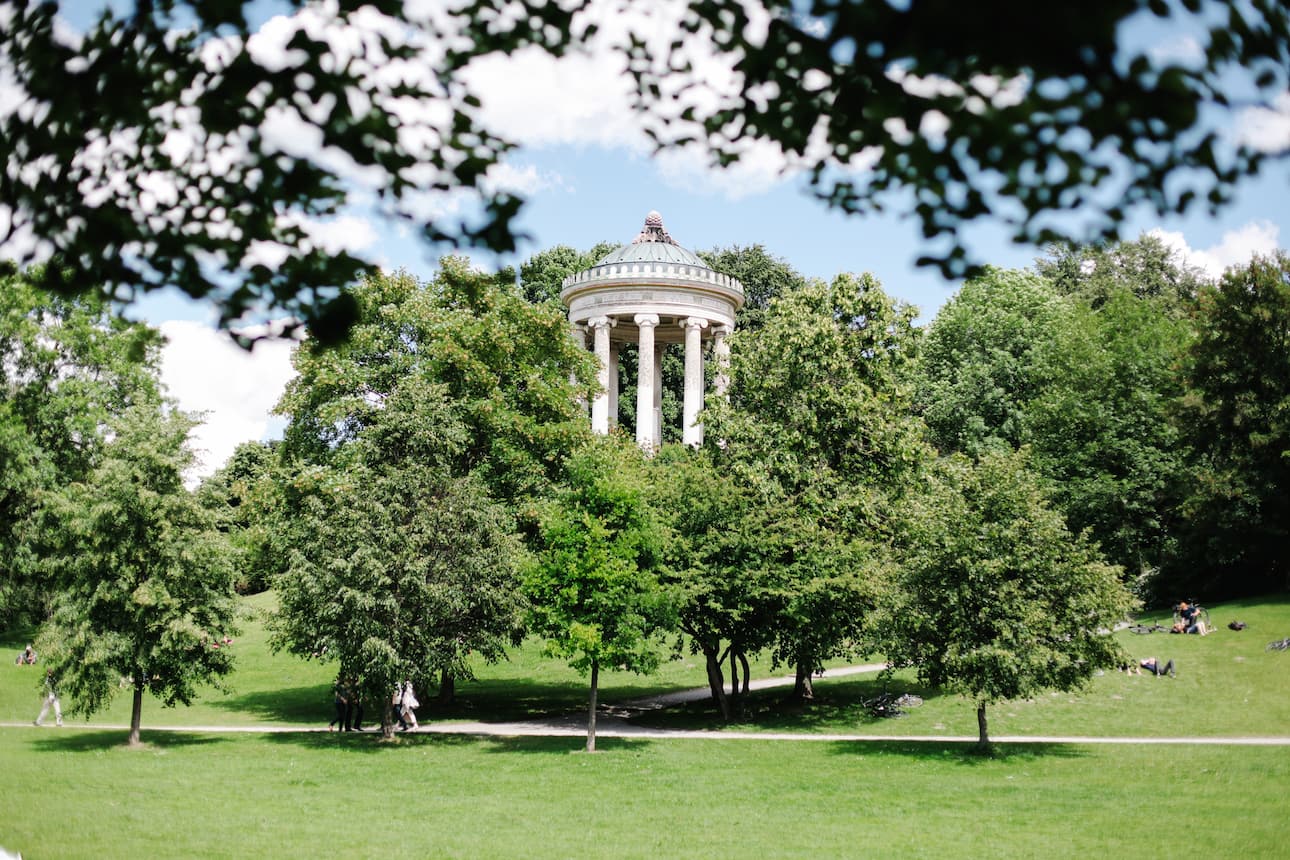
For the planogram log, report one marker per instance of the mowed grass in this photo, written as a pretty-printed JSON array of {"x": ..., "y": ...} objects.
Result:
[
  {"x": 282, "y": 690},
  {"x": 76, "y": 794},
  {"x": 1228, "y": 684}
]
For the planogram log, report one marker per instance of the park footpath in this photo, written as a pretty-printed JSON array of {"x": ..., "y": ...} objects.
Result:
[{"x": 615, "y": 722}]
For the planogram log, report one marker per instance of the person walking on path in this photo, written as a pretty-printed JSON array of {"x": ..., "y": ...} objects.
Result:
[
  {"x": 409, "y": 705},
  {"x": 355, "y": 711},
  {"x": 341, "y": 700},
  {"x": 51, "y": 698}
]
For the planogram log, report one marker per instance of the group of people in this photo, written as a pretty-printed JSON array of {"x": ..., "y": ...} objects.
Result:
[
  {"x": 348, "y": 698},
  {"x": 1189, "y": 620},
  {"x": 349, "y": 706}
]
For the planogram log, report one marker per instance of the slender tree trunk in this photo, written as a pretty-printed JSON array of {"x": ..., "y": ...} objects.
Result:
[
  {"x": 136, "y": 715},
  {"x": 803, "y": 689},
  {"x": 734, "y": 674},
  {"x": 447, "y": 687},
  {"x": 743, "y": 660},
  {"x": 387, "y": 719},
  {"x": 591, "y": 709},
  {"x": 717, "y": 684},
  {"x": 983, "y": 740}
]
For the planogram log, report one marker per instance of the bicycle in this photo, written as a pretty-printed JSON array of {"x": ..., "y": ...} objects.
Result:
[
  {"x": 891, "y": 704},
  {"x": 1144, "y": 629},
  {"x": 1279, "y": 645}
]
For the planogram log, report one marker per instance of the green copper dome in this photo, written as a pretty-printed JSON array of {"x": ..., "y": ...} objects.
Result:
[{"x": 653, "y": 245}]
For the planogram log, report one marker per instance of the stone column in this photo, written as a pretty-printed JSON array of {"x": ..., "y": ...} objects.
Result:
[
  {"x": 645, "y": 383},
  {"x": 659, "y": 349},
  {"x": 691, "y": 429},
  {"x": 613, "y": 385},
  {"x": 600, "y": 406},
  {"x": 721, "y": 354}
]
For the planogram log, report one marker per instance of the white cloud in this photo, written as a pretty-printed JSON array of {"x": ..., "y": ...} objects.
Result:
[
  {"x": 521, "y": 179},
  {"x": 207, "y": 373},
  {"x": 1235, "y": 248},
  {"x": 585, "y": 98},
  {"x": 1183, "y": 50},
  {"x": 1266, "y": 129}
]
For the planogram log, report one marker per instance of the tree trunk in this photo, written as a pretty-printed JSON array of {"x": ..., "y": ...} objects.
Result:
[
  {"x": 743, "y": 660},
  {"x": 734, "y": 674},
  {"x": 447, "y": 687},
  {"x": 387, "y": 719},
  {"x": 983, "y": 740},
  {"x": 803, "y": 689},
  {"x": 136, "y": 715},
  {"x": 591, "y": 710},
  {"x": 717, "y": 684}
]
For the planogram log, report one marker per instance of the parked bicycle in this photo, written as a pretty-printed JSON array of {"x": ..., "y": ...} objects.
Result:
[
  {"x": 891, "y": 704},
  {"x": 1144, "y": 629},
  {"x": 1279, "y": 645}
]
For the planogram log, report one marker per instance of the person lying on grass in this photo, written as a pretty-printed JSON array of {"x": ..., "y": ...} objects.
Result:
[{"x": 1152, "y": 665}]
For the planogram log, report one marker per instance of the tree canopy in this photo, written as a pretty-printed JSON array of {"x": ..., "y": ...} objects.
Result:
[
  {"x": 1236, "y": 413},
  {"x": 1007, "y": 109},
  {"x": 593, "y": 585},
  {"x": 818, "y": 425},
  {"x": 399, "y": 568},
  {"x": 997, "y": 599},
  {"x": 235, "y": 143},
  {"x": 980, "y": 363},
  {"x": 145, "y": 599},
  {"x": 67, "y": 366}
]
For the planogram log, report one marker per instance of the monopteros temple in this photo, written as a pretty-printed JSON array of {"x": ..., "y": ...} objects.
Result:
[{"x": 652, "y": 292}]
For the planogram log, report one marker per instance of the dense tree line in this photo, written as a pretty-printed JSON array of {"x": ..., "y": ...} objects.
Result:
[{"x": 976, "y": 499}]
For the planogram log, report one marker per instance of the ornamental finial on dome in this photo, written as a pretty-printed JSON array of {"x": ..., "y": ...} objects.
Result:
[{"x": 654, "y": 231}]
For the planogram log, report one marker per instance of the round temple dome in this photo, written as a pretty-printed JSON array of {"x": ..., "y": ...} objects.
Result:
[
  {"x": 652, "y": 274},
  {"x": 655, "y": 245}
]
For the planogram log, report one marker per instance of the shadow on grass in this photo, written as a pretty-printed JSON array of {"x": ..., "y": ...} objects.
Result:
[
  {"x": 98, "y": 741},
  {"x": 517, "y": 700},
  {"x": 371, "y": 743},
  {"x": 837, "y": 706},
  {"x": 965, "y": 753},
  {"x": 304, "y": 705},
  {"x": 499, "y": 701}
]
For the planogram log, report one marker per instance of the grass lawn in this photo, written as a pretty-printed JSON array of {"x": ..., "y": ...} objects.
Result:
[
  {"x": 283, "y": 690},
  {"x": 77, "y": 793},
  {"x": 1228, "y": 684}
]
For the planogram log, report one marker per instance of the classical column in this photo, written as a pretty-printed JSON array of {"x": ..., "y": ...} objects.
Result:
[
  {"x": 721, "y": 354},
  {"x": 613, "y": 385},
  {"x": 645, "y": 383},
  {"x": 659, "y": 349},
  {"x": 691, "y": 429},
  {"x": 600, "y": 406}
]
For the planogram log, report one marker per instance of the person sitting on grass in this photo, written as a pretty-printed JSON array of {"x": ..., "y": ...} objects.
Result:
[
  {"x": 1191, "y": 621},
  {"x": 27, "y": 657},
  {"x": 1152, "y": 665}
]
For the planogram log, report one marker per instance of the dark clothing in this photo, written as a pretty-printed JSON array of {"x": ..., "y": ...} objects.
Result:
[{"x": 1154, "y": 667}]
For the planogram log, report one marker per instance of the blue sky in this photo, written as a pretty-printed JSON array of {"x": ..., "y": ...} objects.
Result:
[{"x": 584, "y": 165}]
